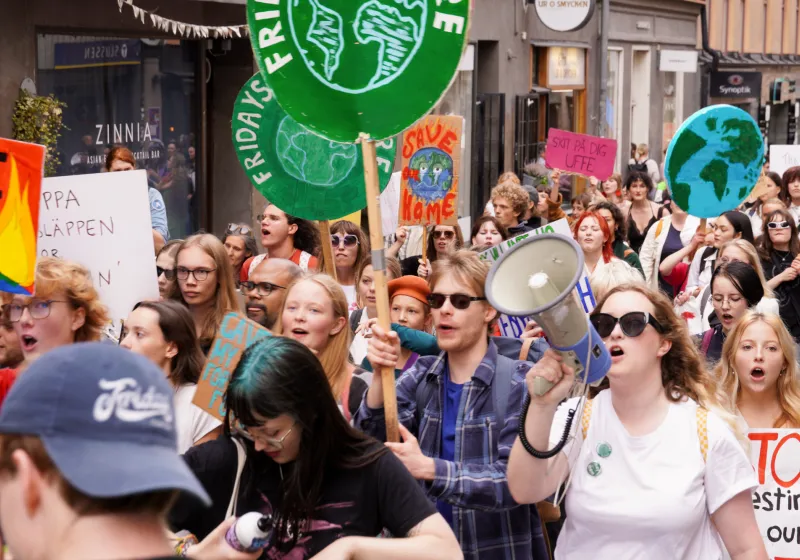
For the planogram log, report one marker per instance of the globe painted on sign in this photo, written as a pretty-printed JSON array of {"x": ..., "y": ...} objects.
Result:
[
  {"x": 355, "y": 46},
  {"x": 430, "y": 174},
  {"x": 311, "y": 158},
  {"x": 714, "y": 160}
]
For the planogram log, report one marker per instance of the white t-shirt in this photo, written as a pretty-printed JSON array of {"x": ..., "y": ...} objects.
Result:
[
  {"x": 191, "y": 422},
  {"x": 654, "y": 495},
  {"x": 350, "y": 294},
  {"x": 358, "y": 348}
]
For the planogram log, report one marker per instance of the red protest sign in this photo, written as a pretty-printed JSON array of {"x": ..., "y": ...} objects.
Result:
[
  {"x": 582, "y": 154},
  {"x": 431, "y": 165}
]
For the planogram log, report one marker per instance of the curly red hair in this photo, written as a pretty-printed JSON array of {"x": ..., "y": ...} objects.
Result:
[{"x": 608, "y": 251}]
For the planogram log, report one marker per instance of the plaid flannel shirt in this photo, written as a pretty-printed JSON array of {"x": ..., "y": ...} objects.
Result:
[{"x": 487, "y": 521}]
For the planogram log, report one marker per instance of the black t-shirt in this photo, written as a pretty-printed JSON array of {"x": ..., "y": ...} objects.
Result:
[{"x": 353, "y": 502}]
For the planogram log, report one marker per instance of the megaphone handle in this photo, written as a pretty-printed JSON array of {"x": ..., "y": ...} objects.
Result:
[{"x": 541, "y": 386}]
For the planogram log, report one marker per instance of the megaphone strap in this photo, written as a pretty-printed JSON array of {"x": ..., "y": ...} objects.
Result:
[{"x": 587, "y": 417}]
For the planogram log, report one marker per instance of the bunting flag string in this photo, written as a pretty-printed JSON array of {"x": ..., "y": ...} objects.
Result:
[{"x": 188, "y": 30}]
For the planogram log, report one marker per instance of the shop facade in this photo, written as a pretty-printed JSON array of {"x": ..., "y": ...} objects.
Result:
[
  {"x": 126, "y": 83},
  {"x": 654, "y": 76}
]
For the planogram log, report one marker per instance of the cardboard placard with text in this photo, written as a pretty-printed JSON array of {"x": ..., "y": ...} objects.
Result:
[
  {"x": 235, "y": 335},
  {"x": 431, "y": 166},
  {"x": 775, "y": 455},
  {"x": 21, "y": 169},
  {"x": 581, "y": 154},
  {"x": 514, "y": 326},
  {"x": 102, "y": 221}
]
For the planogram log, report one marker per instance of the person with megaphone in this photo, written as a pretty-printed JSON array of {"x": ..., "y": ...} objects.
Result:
[{"x": 657, "y": 471}]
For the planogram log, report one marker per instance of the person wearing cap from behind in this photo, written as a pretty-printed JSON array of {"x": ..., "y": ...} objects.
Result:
[{"x": 88, "y": 460}]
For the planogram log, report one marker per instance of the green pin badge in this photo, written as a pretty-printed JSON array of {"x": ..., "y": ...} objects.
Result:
[
  {"x": 603, "y": 450},
  {"x": 300, "y": 172},
  {"x": 343, "y": 67},
  {"x": 594, "y": 469}
]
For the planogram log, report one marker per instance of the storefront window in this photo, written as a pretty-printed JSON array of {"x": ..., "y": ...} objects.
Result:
[
  {"x": 673, "y": 103},
  {"x": 139, "y": 93},
  {"x": 614, "y": 99}
]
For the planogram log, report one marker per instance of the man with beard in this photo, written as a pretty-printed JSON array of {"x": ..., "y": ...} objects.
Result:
[{"x": 266, "y": 289}]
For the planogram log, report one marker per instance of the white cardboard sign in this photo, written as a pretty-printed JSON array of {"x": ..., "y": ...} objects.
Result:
[
  {"x": 102, "y": 221},
  {"x": 782, "y": 157}
]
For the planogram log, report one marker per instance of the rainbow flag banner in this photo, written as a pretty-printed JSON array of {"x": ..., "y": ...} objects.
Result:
[{"x": 21, "y": 170}]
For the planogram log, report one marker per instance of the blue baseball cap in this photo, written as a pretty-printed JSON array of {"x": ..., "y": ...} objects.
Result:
[{"x": 106, "y": 418}]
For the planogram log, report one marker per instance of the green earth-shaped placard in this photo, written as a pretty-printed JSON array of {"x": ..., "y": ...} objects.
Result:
[
  {"x": 345, "y": 67},
  {"x": 300, "y": 172},
  {"x": 714, "y": 160}
]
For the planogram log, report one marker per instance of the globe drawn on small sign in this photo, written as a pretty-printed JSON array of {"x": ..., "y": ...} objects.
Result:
[
  {"x": 714, "y": 160},
  {"x": 346, "y": 67},
  {"x": 300, "y": 172}
]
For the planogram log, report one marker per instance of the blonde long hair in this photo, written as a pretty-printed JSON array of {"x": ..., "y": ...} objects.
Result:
[
  {"x": 788, "y": 384},
  {"x": 752, "y": 259},
  {"x": 335, "y": 357},
  {"x": 683, "y": 369},
  {"x": 225, "y": 298}
]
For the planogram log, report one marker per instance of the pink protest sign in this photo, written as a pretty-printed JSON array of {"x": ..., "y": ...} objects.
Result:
[{"x": 582, "y": 154}]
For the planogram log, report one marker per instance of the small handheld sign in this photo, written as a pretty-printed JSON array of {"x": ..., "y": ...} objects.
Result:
[
  {"x": 360, "y": 66},
  {"x": 430, "y": 171},
  {"x": 235, "y": 335},
  {"x": 714, "y": 160},
  {"x": 580, "y": 154},
  {"x": 300, "y": 172},
  {"x": 21, "y": 169}
]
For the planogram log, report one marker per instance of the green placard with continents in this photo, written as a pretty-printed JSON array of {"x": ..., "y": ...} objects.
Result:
[
  {"x": 300, "y": 172},
  {"x": 345, "y": 67}
]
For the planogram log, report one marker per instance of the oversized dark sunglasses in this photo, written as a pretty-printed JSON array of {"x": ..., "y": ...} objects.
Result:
[
  {"x": 778, "y": 225},
  {"x": 349, "y": 240},
  {"x": 446, "y": 234},
  {"x": 459, "y": 301},
  {"x": 632, "y": 324},
  {"x": 169, "y": 273}
]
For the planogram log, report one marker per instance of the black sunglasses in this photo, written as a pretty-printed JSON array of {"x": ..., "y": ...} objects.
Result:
[
  {"x": 632, "y": 324},
  {"x": 169, "y": 273},
  {"x": 459, "y": 301},
  {"x": 264, "y": 288},
  {"x": 778, "y": 225},
  {"x": 349, "y": 240}
]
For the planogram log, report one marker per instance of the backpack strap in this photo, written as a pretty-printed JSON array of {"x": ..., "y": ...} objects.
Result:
[
  {"x": 707, "y": 336},
  {"x": 501, "y": 387},
  {"x": 702, "y": 431},
  {"x": 525, "y": 349},
  {"x": 587, "y": 417},
  {"x": 704, "y": 300},
  {"x": 241, "y": 458},
  {"x": 355, "y": 319}
]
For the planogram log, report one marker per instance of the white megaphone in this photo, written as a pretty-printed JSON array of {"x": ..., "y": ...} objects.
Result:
[{"x": 537, "y": 277}]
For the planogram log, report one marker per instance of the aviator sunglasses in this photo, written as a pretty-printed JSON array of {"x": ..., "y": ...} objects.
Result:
[
  {"x": 632, "y": 324},
  {"x": 459, "y": 301}
]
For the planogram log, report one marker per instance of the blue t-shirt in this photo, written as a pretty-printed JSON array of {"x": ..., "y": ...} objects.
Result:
[{"x": 452, "y": 404}]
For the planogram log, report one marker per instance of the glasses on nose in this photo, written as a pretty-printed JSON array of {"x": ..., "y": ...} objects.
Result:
[
  {"x": 732, "y": 300},
  {"x": 276, "y": 444},
  {"x": 263, "y": 288},
  {"x": 632, "y": 324},
  {"x": 200, "y": 274},
  {"x": 233, "y": 229},
  {"x": 348, "y": 240},
  {"x": 778, "y": 225},
  {"x": 446, "y": 234},
  {"x": 38, "y": 308},
  {"x": 459, "y": 301},
  {"x": 169, "y": 273}
]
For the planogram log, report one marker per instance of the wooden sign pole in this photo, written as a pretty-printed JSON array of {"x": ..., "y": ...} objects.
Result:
[
  {"x": 327, "y": 248},
  {"x": 425, "y": 244},
  {"x": 379, "y": 267}
]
